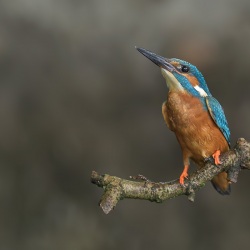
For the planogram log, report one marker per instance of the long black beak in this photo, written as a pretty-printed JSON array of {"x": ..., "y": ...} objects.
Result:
[{"x": 158, "y": 60}]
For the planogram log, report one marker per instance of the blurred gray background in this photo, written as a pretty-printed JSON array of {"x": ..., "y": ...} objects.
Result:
[{"x": 75, "y": 96}]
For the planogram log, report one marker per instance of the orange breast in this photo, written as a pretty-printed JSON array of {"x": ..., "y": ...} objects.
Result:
[{"x": 195, "y": 130}]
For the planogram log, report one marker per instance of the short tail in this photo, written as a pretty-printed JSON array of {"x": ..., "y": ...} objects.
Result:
[{"x": 221, "y": 184}]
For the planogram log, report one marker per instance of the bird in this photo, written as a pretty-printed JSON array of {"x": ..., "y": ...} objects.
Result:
[{"x": 194, "y": 115}]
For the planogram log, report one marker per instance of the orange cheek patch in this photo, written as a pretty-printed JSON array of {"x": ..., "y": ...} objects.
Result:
[
  {"x": 175, "y": 64},
  {"x": 192, "y": 80}
]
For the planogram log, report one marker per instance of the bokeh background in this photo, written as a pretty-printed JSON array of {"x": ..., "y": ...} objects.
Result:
[{"x": 75, "y": 96}]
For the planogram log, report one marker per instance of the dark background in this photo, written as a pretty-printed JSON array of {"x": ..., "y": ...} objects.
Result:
[{"x": 75, "y": 96}]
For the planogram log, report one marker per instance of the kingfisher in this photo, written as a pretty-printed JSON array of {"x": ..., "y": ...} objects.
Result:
[{"x": 194, "y": 115}]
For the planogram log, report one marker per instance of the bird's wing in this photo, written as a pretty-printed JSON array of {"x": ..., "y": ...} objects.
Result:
[
  {"x": 217, "y": 113},
  {"x": 165, "y": 115}
]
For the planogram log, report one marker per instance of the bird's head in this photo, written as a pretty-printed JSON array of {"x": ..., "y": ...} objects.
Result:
[{"x": 180, "y": 75}]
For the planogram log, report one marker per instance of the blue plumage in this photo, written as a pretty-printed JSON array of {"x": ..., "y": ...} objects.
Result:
[
  {"x": 195, "y": 72},
  {"x": 217, "y": 113},
  {"x": 189, "y": 87}
]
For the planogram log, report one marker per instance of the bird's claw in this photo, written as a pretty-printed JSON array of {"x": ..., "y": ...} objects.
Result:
[
  {"x": 216, "y": 156},
  {"x": 183, "y": 177}
]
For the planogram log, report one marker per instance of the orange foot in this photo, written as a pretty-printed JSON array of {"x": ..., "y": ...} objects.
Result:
[
  {"x": 184, "y": 175},
  {"x": 216, "y": 157}
]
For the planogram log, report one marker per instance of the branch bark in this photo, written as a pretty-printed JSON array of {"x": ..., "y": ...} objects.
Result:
[{"x": 116, "y": 189}]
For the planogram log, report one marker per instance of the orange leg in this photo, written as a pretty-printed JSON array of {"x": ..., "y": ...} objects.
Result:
[
  {"x": 216, "y": 157},
  {"x": 184, "y": 174}
]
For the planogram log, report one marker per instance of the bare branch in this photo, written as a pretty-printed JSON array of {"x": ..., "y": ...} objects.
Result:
[{"x": 116, "y": 189}]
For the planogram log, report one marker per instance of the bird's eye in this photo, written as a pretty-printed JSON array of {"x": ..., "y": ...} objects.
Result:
[{"x": 184, "y": 68}]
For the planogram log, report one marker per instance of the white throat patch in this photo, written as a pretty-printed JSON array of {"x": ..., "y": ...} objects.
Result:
[
  {"x": 201, "y": 91},
  {"x": 171, "y": 81}
]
